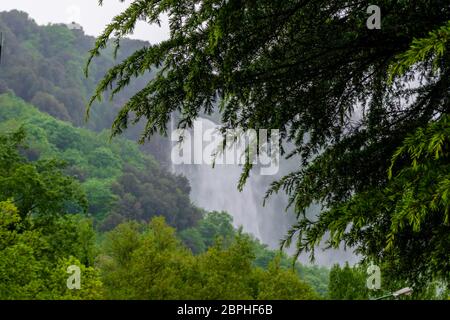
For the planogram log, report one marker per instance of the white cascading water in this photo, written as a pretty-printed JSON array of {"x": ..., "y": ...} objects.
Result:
[{"x": 215, "y": 189}]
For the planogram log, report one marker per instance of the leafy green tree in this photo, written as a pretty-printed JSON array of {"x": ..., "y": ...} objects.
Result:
[
  {"x": 143, "y": 265},
  {"x": 216, "y": 228},
  {"x": 225, "y": 273},
  {"x": 279, "y": 284},
  {"x": 212, "y": 227},
  {"x": 35, "y": 187},
  {"x": 19, "y": 267},
  {"x": 315, "y": 276},
  {"x": 149, "y": 262},
  {"x": 418, "y": 192},
  {"x": 193, "y": 239},
  {"x": 23, "y": 82},
  {"x": 91, "y": 287},
  {"x": 34, "y": 256},
  {"x": 148, "y": 191},
  {"x": 313, "y": 70},
  {"x": 347, "y": 283},
  {"x": 104, "y": 161},
  {"x": 425, "y": 50},
  {"x": 217, "y": 224},
  {"x": 38, "y": 235}
]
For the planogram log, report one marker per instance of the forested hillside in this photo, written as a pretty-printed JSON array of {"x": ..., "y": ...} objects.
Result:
[
  {"x": 121, "y": 182},
  {"x": 114, "y": 183},
  {"x": 44, "y": 65},
  {"x": 63, "y": 188},
  {"x": 101, "y": 192}
]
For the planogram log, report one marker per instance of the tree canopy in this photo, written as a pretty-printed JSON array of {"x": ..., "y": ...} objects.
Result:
[
  {"x": 36, "y": 188},
  {"x": 149, "y": 262},
  {"x": 40, "y": 236}
]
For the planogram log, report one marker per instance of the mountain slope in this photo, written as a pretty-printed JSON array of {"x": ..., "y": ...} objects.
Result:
[
  {"x": 44, "y": 65},
  {"x": 121, "y": 182}
]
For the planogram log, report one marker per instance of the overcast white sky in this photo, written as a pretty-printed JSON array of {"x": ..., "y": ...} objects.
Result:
[{"x": 88, "y": 13}]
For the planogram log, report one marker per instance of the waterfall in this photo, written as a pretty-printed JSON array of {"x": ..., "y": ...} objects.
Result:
[
  {"x": 215, "y": 189},
  {"x": 172, "y": 129}
]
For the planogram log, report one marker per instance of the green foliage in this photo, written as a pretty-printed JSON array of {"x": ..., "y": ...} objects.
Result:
[
  {"x": 100, "y": 196},
  {"x": 106, "y": 162},
  {"x": 348, "y": 283},
  {"x": 217, "y": 228},
  {"x": 419, "y": 190},
  {"x": 149, "y": 262},
  {"x": 138, "y": 261},
  {"x": 410, "y": 240},
  {"x": 120, "y": 181},
  {"x": 34, "y": 256},
  {"x": 414, "y": 236},
  {"x": 146, "y": 192},
  {"x": 226, "y": 273},
  {"x": 44, "y": 65},
  {"x": 38, "y": 236},
  {"x": 279, "y": 284},
  {"x": 423, "y": 50},
  {"x": 50, "y": 105},
  {"x": 313, "y": 70},
  {"x": 193, "y": 240},
  {"x": 37, "y": 246},
  {"x": 36, "y": 187},
  {"x": 424, "y": 177},
  {"x": 298, "y": 67},
  {"x": 214, "y": 226},
  {"x": 91, "y": 285}
]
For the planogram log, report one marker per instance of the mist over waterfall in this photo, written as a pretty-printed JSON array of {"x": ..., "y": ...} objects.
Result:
[{"x": 215, "y": 189}]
